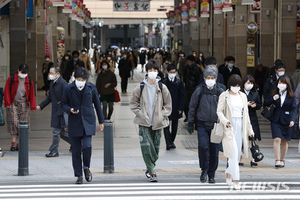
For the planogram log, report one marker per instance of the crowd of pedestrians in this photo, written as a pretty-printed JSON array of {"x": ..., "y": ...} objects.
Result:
[{"x": 175, "y": 85}]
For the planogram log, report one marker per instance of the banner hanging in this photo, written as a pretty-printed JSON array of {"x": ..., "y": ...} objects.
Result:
[
  {"x": 60, "y": 42},
  {"x": 204, "y": 8},
  {"x": 172, "y": 18},
  {"x": 58, "y": 2},
  {"x": 217, "y": 6},
  {"x": 247, "y": 2},
  {"x": 168, "y": 17},
  {"x": 131, "y": 6},
  {"x": 177, "y": 11},
  {"x": 67, "y": 6},
  {"x": 227, "y": 6},
  {"x": 184, "y": 13},
  {"x": 193, "y": 10},
  {"x": 255, "y": 8}
]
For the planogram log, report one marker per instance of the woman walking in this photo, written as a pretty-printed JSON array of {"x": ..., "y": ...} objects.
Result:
[
  {"x": 233, "y": 114},
  {"x": 18, "y": 96},
  {"x": 284, "y": 117},
  {"x": 254, "y": 104},
  {"x": 106, "y": 82}
]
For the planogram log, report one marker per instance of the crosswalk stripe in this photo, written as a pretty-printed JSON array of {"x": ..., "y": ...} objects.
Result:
[{"x": 140, "y": 191}]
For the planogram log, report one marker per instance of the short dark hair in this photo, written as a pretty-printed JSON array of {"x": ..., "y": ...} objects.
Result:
[
  {"x": 278, "y": 62},
  {"x": 191, "y": 58},
  {"x": 230, "y": 58},
  {"x": 82, "y": 73},
  {"x": 210, "y": 60},
  {"x": 279, "y": 65},
  {"x": 56, "y": 68},
  {"x": 23, "y": 68},
  {"x": 298, "y": 65},
  {"x": 153, "y": 63},
  {"x": 75, "y": 52},
  {"x": 234, "y": 80},
  {"x": 46, "y": 56},
  {"x": 251, "y": 79}
]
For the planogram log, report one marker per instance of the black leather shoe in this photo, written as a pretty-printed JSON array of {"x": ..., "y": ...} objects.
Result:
[
  {"x": 211, "y": 180},
  {"x": 253, "y": 163},
  {"x": 173, "y": 146},
  {"x": 17, "y": 148},
  {"x": 79, "y": 180},
  {"x": 52, "y": 154},
  {"x": 88, "y": 175},
  {"x": 12, "y": 148},
  {"x": 169, "y": 147},
  {"x": 203, "y": 177}
]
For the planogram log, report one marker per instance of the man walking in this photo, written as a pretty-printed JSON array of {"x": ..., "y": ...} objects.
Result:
[
  {"x": 151, "y": 103},
  {"x": 177, "y": 91},
  {"x": 79, "y": 100},
  {"x": 203, "y": 107},
  {"x": 58, "y": 122}
]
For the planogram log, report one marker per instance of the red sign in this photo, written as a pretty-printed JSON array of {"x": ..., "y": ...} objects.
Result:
[
  {"x": 67, "y": 6},
  {"x": 227, "y": 6},
  {"x": 218, "y": 6},
  {"x": 204, "y": 8},
  {"x": 193, "y": 10},
  {"x": 184, "y": 13},
  {"x": 172, "y": 18},
  {"x": 255, "y": 8}
]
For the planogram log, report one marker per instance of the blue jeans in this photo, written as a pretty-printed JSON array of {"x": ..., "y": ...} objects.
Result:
[{"x": 208, "y": 152}]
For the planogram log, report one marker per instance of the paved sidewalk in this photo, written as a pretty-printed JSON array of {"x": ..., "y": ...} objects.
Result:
[{"x": 182, "y": 161}]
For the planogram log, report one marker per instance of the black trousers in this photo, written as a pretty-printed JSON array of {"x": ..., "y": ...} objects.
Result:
[
  {"x": 171, "y": 135},
  {"x": 81, "y": 144},
  {"x": 208, "y": 152},
  {"x": 124, "y": 83}
]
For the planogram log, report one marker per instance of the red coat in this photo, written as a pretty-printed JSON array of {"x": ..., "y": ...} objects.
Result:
[{"x": 10, "y": 93}]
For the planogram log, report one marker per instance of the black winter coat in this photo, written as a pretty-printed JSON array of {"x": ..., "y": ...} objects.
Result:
[
  {"x": 71, "y": 67},
  {"x": 56, "y": 90},
  {"x": 125, "y": 68},
  {"x": 142, "y": 58},
  {"x": 1, "y": 96},
  {"x": 226, "y": 74},
  {"x": 191, "y": 76},
  {"x": 177, "y": 91},
  {"x": 254, "y": 96}
]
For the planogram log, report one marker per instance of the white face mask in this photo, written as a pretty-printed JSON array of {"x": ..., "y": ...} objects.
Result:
[
  {"x": 281, "y": 86},
  {"x": 75, "y": 59},
  {"x": 281, "y": 73},
  {"x": 152, "y": 75},
  {"x": 171, "y": 76},
  {"x": 235, "y": 89},
  {"x": 52, "y": 77},
  {"x": 83, "y": 53},
  {"x": 248, "y": 86},
  {"x": 210, "y": 82},
  {"x": 22, "y": 75},
  {"x": 104, "y": 67},
  {"x": 230, "y": 65},
  {"x": 66, "y": 58},
  {"x": 80, "y": 84},
  {"x": 47, "y": 59}
]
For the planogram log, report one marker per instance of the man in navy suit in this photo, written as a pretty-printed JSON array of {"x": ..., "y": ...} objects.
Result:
[{"x": 79, "y": 100}]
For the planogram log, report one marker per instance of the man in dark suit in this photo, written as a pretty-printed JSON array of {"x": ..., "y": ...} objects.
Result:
[
  {"x": 72, "y": 65},
  {"x": 230, "y": 69},
  {"x": 79, "y": 100},
  {"x": 56, "y": 89}
]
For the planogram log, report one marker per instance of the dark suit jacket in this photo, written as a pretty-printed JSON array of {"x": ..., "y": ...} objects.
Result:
[
  {"x": 286, "y": 113},
  {"x": 85, "y": 120}
]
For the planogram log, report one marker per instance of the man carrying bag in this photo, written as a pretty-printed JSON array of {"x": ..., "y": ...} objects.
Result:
[{"x": 202, "y": 111}]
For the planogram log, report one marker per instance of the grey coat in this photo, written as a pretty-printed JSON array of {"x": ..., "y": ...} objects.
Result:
[{"x": 56, "y": 90}]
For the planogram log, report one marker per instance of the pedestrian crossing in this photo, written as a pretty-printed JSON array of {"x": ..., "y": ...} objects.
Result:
[{"x": 140, "y": 191}]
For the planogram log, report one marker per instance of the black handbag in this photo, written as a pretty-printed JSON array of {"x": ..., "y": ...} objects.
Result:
[
  {"x": 296, "y": 131},
  {"x": 257, "y": 155},
  {"x": 268, "y": 112}
]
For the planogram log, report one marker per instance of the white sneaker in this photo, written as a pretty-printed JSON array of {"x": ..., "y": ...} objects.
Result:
[{"x": 236, "y": 186}]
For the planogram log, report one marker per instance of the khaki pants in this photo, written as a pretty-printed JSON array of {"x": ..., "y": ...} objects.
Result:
[{"x": 150, "y": 142}]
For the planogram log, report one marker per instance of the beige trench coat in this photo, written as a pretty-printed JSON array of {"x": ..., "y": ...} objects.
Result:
[{"x": 224, "y": 114}]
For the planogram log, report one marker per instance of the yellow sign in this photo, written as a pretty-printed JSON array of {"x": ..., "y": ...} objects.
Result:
[
  {"x": 234, "y": 2},
  {"x": 176, "y": 45},
  {"x": 250, "y": 61}
]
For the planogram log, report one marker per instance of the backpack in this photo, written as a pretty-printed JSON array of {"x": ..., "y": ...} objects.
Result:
[
  {"x": 12, "y": 80},
  {"x": 142, "y": 84}
]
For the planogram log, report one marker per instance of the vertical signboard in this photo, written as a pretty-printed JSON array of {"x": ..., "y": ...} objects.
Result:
[
  {"x": 172, "y": 18},
  {"x": 255, "y": 8},
  {"x": 217, "y": 6},
  {"x": 184, "y": 13},
  {"x": 193, "y": 10},
  {"x": 204, "y": 8},
  {"x": 227, "y": 6},
  {"x": 177, "y": 11}
]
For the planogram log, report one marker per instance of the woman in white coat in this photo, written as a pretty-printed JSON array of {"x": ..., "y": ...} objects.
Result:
[{"x": 233, "y": 114}]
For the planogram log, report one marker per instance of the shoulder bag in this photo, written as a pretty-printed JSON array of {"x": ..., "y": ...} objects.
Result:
[{"x": 268, "y": 112}]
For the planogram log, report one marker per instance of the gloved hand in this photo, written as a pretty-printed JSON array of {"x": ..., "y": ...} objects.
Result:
[{"x": 191, "y": 128}]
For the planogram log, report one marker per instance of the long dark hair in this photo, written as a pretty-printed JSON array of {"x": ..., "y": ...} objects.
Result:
[
  {"x": 248, "y": 78},
  {"x": 284, "y": 79}
]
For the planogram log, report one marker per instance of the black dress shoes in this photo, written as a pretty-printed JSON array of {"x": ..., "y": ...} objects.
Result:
[
  {"x": 173, "y": 146},
  {"x": 211, "y": 180},
  {"x": 203, "y": 177},
  {"x": 52, "y": 154},
  {"x": 12, "y": 148},
  {"x": 79, "y": 180},
  {"x": 88, "y": 175},
  {"x": 169, "y": 147}
]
